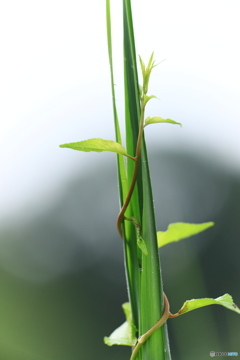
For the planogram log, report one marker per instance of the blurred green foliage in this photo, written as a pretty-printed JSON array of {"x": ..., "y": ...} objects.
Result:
[{"x": 62, "y": 278}]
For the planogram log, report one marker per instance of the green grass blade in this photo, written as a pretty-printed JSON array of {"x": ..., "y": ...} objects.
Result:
[
  {"x": 123, "y": 186},
  {"x": 151, "y": 282},
  {"x": 130, "y": 252},
  {"x": 132, "y": 114},
  {"x": 150, "y": 304}
]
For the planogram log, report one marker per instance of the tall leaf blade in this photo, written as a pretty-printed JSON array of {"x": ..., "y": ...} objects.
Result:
[
  {"x": 130, "y": 252},
  {"x": 132, "y": 114},
  {"x": 122, "y": 176},
  {"x": 150, "y": 287}
]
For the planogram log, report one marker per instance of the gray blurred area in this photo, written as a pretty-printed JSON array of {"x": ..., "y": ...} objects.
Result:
[{"x": 62, "y": 278}]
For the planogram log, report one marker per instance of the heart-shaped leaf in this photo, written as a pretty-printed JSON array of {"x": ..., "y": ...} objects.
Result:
[
  {"x": 226, "y": 300},
  {"x": 179, "y": 231},
  {"x": 124, "y": 334},
  {"x": 97, "y": 145},
  {"x": 157, "y": 119}
]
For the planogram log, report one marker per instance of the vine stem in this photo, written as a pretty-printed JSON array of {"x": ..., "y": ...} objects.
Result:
[
  {"x": 135, "y": 172},
  {"x": 160, "y": 322}
]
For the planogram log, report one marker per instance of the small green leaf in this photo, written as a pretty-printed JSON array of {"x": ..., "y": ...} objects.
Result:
[
  {"x": 97, "y": 145},
  {"x": 142, "y": 245},
  {"x": 226, "y": 300},
  {"x": 146, "y": 72},
  {"x": 124, "y": 334},
  {"x": 157, "y": 119},
  {"x": 151, "y": 62},
  {"x": 143, "y": 68},
  {"x": 179, "y": 231},
  {"x": 146, "y": 98}
]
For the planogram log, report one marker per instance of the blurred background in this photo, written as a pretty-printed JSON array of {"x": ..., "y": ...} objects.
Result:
[{"x": 62, "y": 278}]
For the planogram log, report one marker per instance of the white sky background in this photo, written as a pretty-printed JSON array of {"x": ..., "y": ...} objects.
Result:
[{"x": 55, "y": 86}]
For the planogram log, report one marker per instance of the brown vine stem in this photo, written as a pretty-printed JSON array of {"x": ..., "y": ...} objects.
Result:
[
  {"x": 135, "y": 172},
  {"x": 145, "y": 336}
]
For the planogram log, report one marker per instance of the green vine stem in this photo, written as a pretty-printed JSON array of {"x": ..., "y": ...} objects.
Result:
[
  {"x": 135, "y": 172},
  {"x": 160, "y": 322}
]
